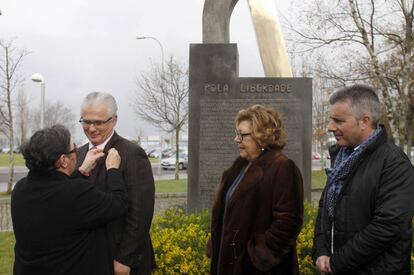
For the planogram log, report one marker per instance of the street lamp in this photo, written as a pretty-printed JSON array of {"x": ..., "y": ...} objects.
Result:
[
  {"x": 39, "y": 78},
  {"x": 162, "y": 76},
  {"x": 159, "y": 43}
]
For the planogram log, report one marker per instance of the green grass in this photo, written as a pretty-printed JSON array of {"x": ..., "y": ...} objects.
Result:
[
  {"x": 175, "y": 186},
  {"x": 4, "y": 160},
  {"x": 19, "y": 160},
  {"x": 171, "y": 186},
  {"x": 6, "y": 252},
  {"x": 3, "y": 195},
  {"x": 318, "y": 179},
  {"x": 154, "y": 160},
  {"x": 161, "y": 186}
]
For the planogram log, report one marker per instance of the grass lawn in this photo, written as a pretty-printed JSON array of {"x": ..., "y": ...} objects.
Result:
[
  {"x": 3, "y": 195},
  {"x": 154, "y": 160},
  {"x": 6, "y": 252},
  {"x": 175, "y": 186},
  {"x": 19, "y": 160},
  {"x": 4, "y": 160},
  {"x": 318, "y": 179},
  {"x": 171, "y": 186}
]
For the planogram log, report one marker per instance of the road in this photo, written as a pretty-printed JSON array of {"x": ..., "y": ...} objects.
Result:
[{"x": 20, "y": 172}]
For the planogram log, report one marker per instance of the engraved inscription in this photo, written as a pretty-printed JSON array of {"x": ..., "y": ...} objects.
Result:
[
  {"x": 216, "y": 143},
  {"x": 216, "y": 88},
  {"x": 265, "y": 88}
]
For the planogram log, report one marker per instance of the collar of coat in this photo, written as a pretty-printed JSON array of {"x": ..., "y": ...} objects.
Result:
[
  {"x": 84, "y": 149},
  {"x": 264, "y": 160},
  {"x": 334, "y": 149},
  {"x": 251, "y": 179}
]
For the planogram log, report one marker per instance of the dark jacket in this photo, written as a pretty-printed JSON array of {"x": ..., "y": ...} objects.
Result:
[
  {"x": 372, "y": 221},
  {"x": 58, "y": 223},
  {"x": 257, "y": 232},
  {"x": 129, "y": 236}
]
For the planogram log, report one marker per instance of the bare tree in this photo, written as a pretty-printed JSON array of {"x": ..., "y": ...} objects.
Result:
[
  {"x": 56, "y": 113},
  {"x": 367, "y": 41},
  {"x": 11, "y": 59},
  {"x": 321, "y": 88},
  {"x": 22, "y": 120},
  {"x": 162, "y": 99}
]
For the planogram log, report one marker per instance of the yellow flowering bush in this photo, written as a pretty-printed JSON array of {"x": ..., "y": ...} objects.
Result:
[
  {"x": 412, "y": 253},
  {"x": 305, "y": 241},
  {"x": 179, "y": 242}
]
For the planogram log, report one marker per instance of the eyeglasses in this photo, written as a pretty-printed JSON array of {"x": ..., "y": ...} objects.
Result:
[
  {"x": 72, "y": 151},
  {"x": 241, "y": 135},
  {"x": 96, "y": 123}
]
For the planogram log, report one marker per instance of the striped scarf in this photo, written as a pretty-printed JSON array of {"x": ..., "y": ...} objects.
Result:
[{"x": 345, "y": 162}]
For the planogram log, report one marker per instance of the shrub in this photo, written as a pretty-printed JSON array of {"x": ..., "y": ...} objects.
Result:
[
  {"x": 305, "y": 241},
  {"x": 179, "y": 242},
  {"x": 180, "y": 239}
]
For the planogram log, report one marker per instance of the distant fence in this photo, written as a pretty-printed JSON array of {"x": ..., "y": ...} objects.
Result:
[{"x": 163, "y": 201}]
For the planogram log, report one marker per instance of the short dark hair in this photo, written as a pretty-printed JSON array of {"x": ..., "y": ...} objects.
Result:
[
  {"x": 363, "y": 100},
  {"x": 45, "y": 147}
]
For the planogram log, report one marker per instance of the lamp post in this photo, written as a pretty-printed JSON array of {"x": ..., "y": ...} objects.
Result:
[
  {"x": 159, "y": 43},
  {"x": 39, "y": 78},
  {"x": 162, "y": 75}
]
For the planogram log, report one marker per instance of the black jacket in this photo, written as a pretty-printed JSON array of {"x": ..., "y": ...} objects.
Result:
[
  {"x": 129, "y": 236},
  {"x": 373, "y": 215},
  {"x": 58, "y": 224}
]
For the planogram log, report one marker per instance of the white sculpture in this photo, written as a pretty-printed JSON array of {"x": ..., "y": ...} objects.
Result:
[{"x": 216, "y": 18}]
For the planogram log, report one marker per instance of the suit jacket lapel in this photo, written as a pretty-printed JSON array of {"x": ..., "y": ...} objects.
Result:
[
  {"x": 98, "y": 175},
  {"x": 114, "y": 139},
  {"x": 100, "y": 168},
  {"x": 81, "y": 154}
]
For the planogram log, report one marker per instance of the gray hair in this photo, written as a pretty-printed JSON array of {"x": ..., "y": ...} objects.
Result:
[
  {"x": 100, "y": 98},
  {"x": 363, "y": 100}
]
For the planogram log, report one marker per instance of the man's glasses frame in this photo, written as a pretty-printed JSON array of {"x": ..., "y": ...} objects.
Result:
[
  {"x": 241, "y": 135},
  {"x": 96, "y": 123}
]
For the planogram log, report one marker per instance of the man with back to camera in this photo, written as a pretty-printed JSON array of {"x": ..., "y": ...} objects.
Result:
[
  {"x": 366, "y": 209},
  {"x": 131, "y": 247}
]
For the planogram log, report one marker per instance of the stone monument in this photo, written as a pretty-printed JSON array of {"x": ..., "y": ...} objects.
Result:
[{"x": 217, "y": 93}]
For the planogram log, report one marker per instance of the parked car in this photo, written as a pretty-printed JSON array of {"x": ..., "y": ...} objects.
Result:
[
  {"x": 7, "y": 150},
  {"x": 155, "y": 153},
  {"x": 169, "y": 163},
  {"x": 149, "y": 151},
  {"x": 316, "y": 156},
  {"x": 167, "y": 152}
]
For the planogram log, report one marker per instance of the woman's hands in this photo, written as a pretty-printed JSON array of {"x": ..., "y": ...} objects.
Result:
[{"x": 113, "y": 160}]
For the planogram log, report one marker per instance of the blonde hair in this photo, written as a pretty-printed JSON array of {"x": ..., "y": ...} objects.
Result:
[{"x": 267, "y": 127}]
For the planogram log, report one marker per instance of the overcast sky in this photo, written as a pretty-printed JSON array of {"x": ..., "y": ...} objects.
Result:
[{"x": 80, "y": 46}]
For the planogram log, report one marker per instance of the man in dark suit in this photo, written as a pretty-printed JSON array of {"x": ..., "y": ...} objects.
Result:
[
  {"x": 131, "y": 248},
  {"x": 58, "y": 216}
]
